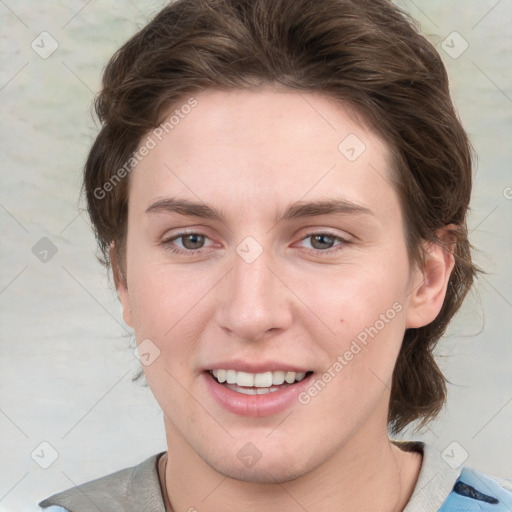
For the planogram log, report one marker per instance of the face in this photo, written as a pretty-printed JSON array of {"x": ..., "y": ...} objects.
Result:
[{"x": 259, "y": 249}]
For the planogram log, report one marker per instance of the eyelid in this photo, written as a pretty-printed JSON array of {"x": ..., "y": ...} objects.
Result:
[
  {"x": 169, "y": 240},
  {"x": 184, "y": 232},
  {"x": 325, "y": 232}
]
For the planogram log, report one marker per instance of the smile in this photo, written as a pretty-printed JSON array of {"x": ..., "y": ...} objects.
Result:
[
  {"x": 256, "y": 383},
  {"x": 255, "y": 394}
]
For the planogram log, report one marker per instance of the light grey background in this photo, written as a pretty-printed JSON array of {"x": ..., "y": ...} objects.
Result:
[{"x": 66, "y": 362}]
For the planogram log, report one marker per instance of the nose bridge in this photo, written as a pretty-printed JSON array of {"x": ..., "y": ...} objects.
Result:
[{"x": 255, "y": 301}]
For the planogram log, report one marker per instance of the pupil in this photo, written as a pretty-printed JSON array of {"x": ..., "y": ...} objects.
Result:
[
  {"x": 326, "y": 240},
  {"x": 193, "y": 241}
]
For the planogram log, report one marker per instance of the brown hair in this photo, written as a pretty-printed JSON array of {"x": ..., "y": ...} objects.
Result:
[{"x": 364, "y": 52}]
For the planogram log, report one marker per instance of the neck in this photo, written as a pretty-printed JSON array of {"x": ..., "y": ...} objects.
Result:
[{"x": 360, "y": 476}]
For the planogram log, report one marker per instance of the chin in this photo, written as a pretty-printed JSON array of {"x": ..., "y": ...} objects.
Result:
[{"x": 275, "y": 469}]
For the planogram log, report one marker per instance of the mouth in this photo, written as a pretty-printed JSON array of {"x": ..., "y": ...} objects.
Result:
[{"x": 257, "y": 383}]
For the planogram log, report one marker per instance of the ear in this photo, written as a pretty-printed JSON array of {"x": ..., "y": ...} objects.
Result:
[
  {"x": 429, "y": 284},
  {"x": 121, "y": 285}
]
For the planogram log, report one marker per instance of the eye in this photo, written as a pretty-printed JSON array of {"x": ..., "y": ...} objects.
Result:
[
  {"x": 186, "y": 243},
  {"x": 192, "y": 241},
  {"x": 324, "y": 242}
]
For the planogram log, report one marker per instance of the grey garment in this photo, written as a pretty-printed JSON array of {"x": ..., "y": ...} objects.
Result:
[
  {"x": 137, "y": 489},
  {"x": 435, "y": 481},
  {"x": 134, "y": 489}
]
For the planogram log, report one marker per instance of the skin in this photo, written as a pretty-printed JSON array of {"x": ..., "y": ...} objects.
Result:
[{"x": 251, "y": 154}]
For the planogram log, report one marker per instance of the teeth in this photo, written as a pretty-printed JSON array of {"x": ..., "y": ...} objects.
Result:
[
  {"x": 289, "y": 377},
  {"x": 253, "y": 391},
  {"x": 245, "y": 379},
  {"x": 277, "y": 378},
  {"x": 262, "y": 381}
]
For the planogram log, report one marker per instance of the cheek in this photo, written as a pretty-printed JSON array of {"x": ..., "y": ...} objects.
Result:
[
  {"x": 157, "y": 294},
  {"x": 170, "y": 310},
  {"x": 360, "y": 358},
  {"x": 170, "y": 319},
  {"x": 364, "y": 308},
  {"x": 355, "y": 300}
]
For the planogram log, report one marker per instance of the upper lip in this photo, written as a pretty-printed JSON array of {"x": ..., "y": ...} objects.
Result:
[{"x": 256, "y": 367}]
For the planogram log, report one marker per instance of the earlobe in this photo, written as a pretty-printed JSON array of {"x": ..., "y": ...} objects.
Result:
[
  {"x": 428, "y": 289},
  {"x": 121, "y": 285}
]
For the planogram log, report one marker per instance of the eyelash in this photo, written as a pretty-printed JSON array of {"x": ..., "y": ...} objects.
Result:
[{"x": 315, "y": 252}]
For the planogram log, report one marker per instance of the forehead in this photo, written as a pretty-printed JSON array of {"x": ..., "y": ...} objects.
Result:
[{"x": 262, "y": 146}]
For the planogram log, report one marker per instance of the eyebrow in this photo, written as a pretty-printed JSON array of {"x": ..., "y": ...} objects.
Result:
[{"x": 297, "y": 210}]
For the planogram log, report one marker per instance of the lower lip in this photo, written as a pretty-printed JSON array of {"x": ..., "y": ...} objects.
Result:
[{"x": 255, "y": 405}]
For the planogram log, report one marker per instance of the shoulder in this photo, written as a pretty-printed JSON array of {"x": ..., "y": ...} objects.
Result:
[
  {"x": 479, "y": 492},
  {"x": 135, "y": 488},
  {"x": 444, "y": 486}
]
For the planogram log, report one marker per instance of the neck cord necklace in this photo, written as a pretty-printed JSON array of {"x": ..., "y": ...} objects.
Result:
[{"x": 163, "y": 484}]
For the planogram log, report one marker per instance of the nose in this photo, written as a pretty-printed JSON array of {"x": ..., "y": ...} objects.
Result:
[{"x": 255, "y": 299}]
